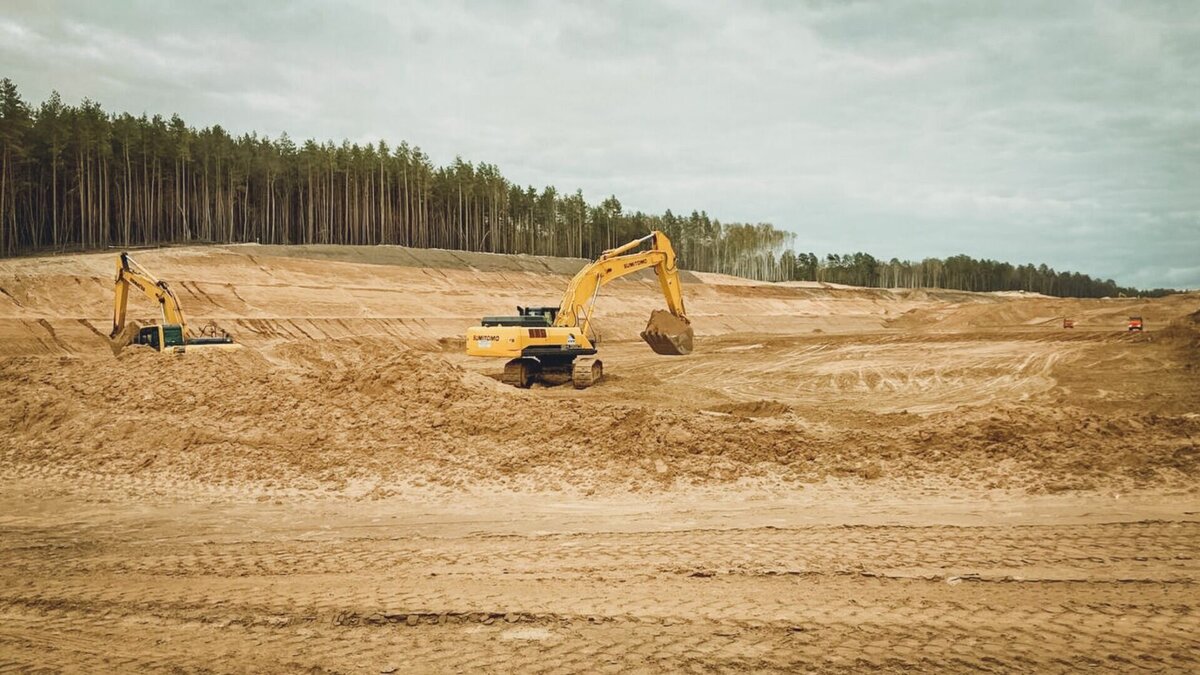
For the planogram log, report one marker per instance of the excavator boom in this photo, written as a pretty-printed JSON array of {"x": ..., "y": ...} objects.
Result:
[
  {"x": 129, "y": 273},
  {"x": 669, "y": 332}
]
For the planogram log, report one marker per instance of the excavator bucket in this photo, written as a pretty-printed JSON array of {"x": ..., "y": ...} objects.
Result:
[
  {"x": 124, "y": 337},
  {"x": 668, "y": 334}
]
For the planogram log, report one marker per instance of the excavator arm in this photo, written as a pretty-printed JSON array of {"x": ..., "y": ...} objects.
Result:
[
  {"x": 580, "y": 297},
  {"x": 668, "y": 333},
  {"x": 131, "y": 274}
]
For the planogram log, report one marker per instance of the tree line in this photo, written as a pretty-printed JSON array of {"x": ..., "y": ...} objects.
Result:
[
  {"x": 958, "y": 272},
  {"x": 75, "y": 177}
]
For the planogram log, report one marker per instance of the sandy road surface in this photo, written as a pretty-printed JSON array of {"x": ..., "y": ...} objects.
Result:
[
  {"x": 881, "y": 373},
  {"x": 550, "y": 586},
  {"x": 837, "y": 479}
]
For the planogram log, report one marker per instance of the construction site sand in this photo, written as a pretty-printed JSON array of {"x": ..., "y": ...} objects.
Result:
[
  {"x": 354, "y": 375},
  {"x": 835, "y": 479}
]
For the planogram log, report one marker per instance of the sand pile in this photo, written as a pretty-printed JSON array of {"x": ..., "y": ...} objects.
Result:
[
  {"x": 760, "y": 408},
  {"x": 342, "y": 380},
  {"x": 1185, "y": 333},
  {"x": 310, "y": 414},
  {"x": 318, "y": 415}
]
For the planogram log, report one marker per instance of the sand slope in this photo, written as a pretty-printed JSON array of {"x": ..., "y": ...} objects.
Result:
[{"x": 354, "y": 375}]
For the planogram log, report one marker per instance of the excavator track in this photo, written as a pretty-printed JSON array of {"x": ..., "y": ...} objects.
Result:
[
  {"x": 587, "y": 371},
  {"x": 520, "y": 372}
]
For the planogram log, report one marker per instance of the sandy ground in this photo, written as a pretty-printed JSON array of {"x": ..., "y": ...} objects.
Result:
[{"x": 835, "y": 479}]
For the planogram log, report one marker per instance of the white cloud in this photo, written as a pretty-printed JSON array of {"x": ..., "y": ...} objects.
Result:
[{"x": 1066, "y": 133}]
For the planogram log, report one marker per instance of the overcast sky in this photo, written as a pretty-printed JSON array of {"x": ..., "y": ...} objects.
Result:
[{"x": 1058, "y": 132}]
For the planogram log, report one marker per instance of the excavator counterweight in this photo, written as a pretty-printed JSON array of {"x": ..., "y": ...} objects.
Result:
[{"x": 555, "y": 345}]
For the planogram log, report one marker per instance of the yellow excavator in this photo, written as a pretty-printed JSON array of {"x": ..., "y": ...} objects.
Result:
[
  {"x": 171, "y": 333},
  {"x": 554, "y": 345}
]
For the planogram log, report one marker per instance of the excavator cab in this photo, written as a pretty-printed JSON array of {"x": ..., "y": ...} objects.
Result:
[
  {"x": 528, "y": 317},
  {"x": 170, "y": 336},
  {"x": 161, "y": 337}
]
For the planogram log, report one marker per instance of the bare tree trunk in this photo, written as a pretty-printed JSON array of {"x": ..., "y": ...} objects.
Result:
[{"x": 5, "y": 247}]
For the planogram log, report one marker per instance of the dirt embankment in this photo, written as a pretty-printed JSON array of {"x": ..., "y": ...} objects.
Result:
[
  {"x": 326, "y": 416},
  {"x": 347, "y": 382}
]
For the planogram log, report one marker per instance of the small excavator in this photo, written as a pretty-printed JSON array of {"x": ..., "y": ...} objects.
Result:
[
  {"x": 171, "y": 333},
  {"x": 554, "y": 345}
]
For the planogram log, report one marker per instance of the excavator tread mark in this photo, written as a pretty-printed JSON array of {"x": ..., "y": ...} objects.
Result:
[{"x": 586, "y": 372}]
